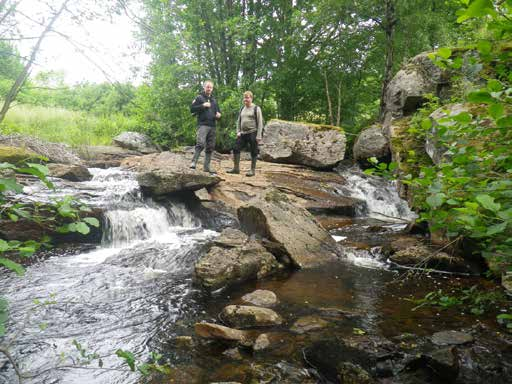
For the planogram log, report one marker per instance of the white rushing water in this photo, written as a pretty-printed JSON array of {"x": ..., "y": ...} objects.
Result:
[
  {"x": 115, "y": 296},
  {"x": 381, "y": 196}
]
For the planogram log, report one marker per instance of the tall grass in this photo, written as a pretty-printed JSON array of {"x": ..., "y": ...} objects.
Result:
[{"x": 65, "y": 126}]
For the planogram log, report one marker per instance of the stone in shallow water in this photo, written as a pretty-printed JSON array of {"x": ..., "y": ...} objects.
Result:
[
  {"x": 308, "y": 323},
  {"x": 261, "y": 298},
  {"x": 216, "y": 331},
  {"x": 245, "y": 316},
  {"x": 451, "y": 338}
]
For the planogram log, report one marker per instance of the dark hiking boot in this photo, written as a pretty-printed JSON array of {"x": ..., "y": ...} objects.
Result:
[
  {"x": 236, "y": 166},
  {"x": 207, "y": 160},
  {"x": 252, "y": 172},
  {"x": 193, "y": 164}
]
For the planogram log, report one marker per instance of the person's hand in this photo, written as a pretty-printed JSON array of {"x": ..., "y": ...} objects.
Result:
[
  {"x": 217, "y": 115},
  {"x": 207, "y": 104},
  {"x": 258, "y": 141},
  {"x": 238, "y": 134}
]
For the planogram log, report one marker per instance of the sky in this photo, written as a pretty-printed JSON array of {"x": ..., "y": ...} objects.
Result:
[{"x": 101, "y": 49}]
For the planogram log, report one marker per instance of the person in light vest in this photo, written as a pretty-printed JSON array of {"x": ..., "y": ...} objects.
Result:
[
  {"x": 207, "y": 110},
  {"x": 249, "y": 131}
]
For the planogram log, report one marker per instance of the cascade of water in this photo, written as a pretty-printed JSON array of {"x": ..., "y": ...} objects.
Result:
[
  {"x": 381, "y": 196},
  {"x": 132, "y": 218}
]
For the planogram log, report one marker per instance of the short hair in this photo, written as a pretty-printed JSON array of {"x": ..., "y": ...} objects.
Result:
[
  {"x": 248, "y": 93},
  {"x": 206, "y": 82}
]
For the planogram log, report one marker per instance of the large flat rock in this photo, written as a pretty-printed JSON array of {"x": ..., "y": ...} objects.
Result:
[
  {"x": 168, "y": 173},
  {"x": 298, "y": 235}
]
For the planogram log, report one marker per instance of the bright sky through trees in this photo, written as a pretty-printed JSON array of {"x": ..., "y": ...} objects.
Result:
[{"x": 98, "y": 50}]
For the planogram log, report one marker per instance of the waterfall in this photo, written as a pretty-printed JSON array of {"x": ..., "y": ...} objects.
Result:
[{"x": 381, "y": 196}]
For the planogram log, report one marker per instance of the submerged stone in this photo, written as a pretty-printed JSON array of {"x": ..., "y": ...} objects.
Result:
[
  {"x": 451, "y": 338},
  {"x": 244, "y": 316},
  {"x": 308, "y": 324},
  {"x": 261, "y": 298}
]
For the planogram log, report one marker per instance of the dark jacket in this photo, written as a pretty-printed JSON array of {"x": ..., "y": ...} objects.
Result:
[{"x": 205, "y": 116}]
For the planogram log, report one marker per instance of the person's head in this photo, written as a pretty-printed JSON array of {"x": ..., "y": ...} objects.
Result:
[
  {"x": 248, "y": 98},
  {"x": 208, "y": 87}
]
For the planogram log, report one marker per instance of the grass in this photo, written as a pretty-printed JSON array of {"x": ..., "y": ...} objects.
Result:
[{"x": 65, "y": 126}]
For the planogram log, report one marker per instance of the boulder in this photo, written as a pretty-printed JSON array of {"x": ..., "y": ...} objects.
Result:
[
  {"x": 407, "y": 90},
  {"x": 422, "y": 257},
  {"x": 54, "y": 152},
  {"x": 293, "y": 229},
  {"x": 317, "y": 146},
  {"x": 371, "y": 142},
  {"x": 71, "y": 172},
  {"x": 216, "y": 331},
  {"x": 261, "y": 298},
  {"x": 104, "y": 156},
  {"x": 245, "y": 316},
  {"x": 229, "y": 265},
  {"x": 135, "y": 141},
  {"x": 18, "y": 156}
]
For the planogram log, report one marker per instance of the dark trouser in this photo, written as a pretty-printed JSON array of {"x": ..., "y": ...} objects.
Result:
[
  {"x": 205, "y": 139},
  {"x": 247, "y": 139}
]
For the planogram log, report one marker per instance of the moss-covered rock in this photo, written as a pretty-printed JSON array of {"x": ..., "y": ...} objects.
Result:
[{"x": 18, "y": 155}]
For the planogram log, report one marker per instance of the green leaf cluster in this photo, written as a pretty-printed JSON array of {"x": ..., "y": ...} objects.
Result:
[
  {"x": 469, "y": 193},
  {"x": 472, "y": 300}
]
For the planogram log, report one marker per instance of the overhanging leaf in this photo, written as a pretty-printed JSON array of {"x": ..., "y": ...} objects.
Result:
[
  {"x": 487, "y": 202},
  {"x": 13, "y": 266}
]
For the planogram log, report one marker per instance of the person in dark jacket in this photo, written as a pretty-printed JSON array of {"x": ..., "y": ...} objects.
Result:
[
  {"x": 249, "y": 131},
  {"x": 207, "y": 110}
]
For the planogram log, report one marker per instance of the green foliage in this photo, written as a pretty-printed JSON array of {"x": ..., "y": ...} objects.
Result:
[
  {"x": 381, "y": 169},
  {"x": 143, "y": 368},
  {"x": 469, "y": 192},
  {"x": 296, "y": 58},
  {"x": 471, "y": 300},
  {"x": 66, "y": 126},
  {"x": 505, "y": 319}
]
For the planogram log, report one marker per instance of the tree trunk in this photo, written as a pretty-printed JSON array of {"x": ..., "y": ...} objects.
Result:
[
  {"x": 20, "y": 80},
  {"x": 388, "y": 25},
  {"x": 338, "y": 112},
  {"x": 329, "y": 104}
]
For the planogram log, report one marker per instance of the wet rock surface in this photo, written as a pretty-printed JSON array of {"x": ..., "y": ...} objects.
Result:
[
  {"x": 451, "y": 338},
  {"x": 261, "y": 298},
  {"x": 69, "y": 172},
  {"x": 234, "y": 259},
  {"x": 244, "y": 316},
  {"x": 308, "y": 324}
]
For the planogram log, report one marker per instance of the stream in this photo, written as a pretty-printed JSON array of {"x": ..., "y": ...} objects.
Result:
[{"x": 135, "y": 292}]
